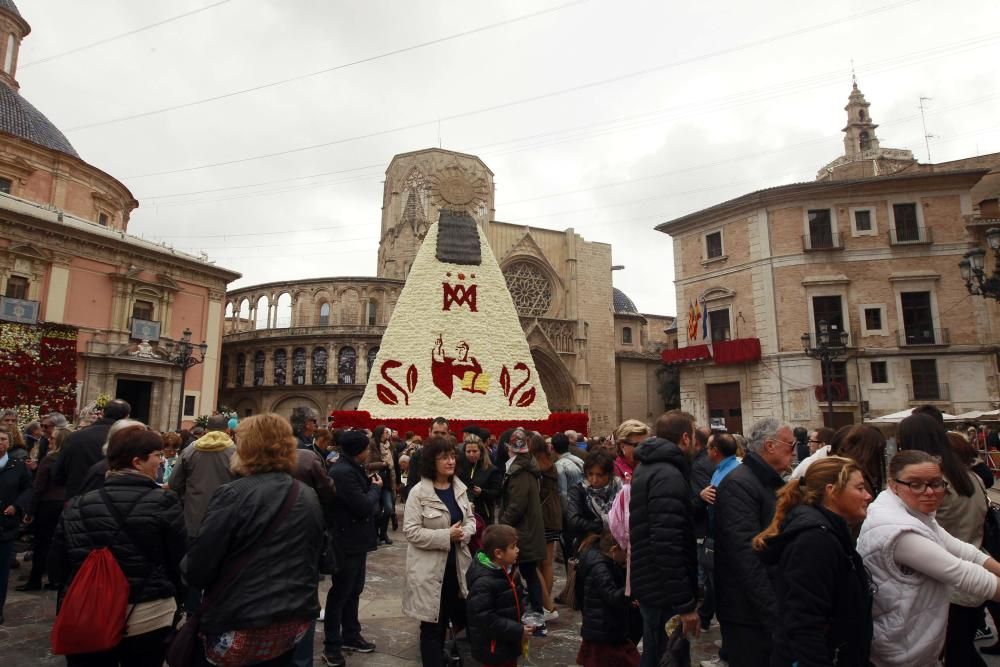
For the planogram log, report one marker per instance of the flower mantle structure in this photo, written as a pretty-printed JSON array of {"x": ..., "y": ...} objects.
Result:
[
  {"x": 37, "y": 369},
  {"x": 454, "y": 346}
]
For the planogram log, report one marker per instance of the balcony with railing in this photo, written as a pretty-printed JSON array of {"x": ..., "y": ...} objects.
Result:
[
  {"x": 928, "y": 391},
  {"x": 839, "y": 392},
  {"x": 917, "y": 336},
  {"x": 826, "y": 240},
  {"x": 910, "y": 236}
]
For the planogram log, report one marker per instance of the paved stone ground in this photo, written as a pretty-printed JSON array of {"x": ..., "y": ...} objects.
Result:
[{"x": 24, "y": 637}]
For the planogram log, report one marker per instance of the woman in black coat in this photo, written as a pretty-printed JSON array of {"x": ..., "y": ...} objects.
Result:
[
  {"x": 15, "y": 496},
  {"x": 148, "y": 545},
  {"x": 607, "y": 611},
  {"x": 482, "y": 478},
  {"x": 272, "y": 603},
  {"x": 823, "y": 591}
]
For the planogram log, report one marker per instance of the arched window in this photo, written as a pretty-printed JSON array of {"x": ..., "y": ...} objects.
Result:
[
  {"x": 8, "y": 58},
  {"x": 319, "y": 366},
  {"x": 229, "y": 310},
  {"x": 241, "y": 369},
  {"x": 280, "y": 367},
  {"x": 347, "y": 365},
  {"x": 861, "y": 114},
  {"x": 262, "y": 321},
  {"x": 372, "y": 353},
  {"x": 283, "y": 312},
  {"x": 324, "y": 315},
  {"x": 372, "y": 312},
  {"x": 299, "y": 366},
  {"x": 224, "y": 371},
  {"x": 244, "y": 314},
  {"x": 865, "y": 140},
  {"x": 258, "y": 369},
  {"x": 626, "y": 335}
]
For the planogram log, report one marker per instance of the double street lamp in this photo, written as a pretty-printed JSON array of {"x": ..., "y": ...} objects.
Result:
[
  {"x": 182, "y": 354},
  {"x": 973, "y": 268},
  {"x": 830, "y": 344}
]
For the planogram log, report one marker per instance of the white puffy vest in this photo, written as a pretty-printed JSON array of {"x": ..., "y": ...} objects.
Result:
[{"x": 910, "y": 610}]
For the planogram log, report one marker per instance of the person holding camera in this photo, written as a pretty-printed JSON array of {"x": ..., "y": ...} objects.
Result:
[{"x": 358, "y": 497}]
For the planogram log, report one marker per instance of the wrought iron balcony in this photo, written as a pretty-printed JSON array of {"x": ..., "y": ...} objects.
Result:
[
  {"x": 910, "y": 236},
  {"x": 928, "y": 392},
  {"x": 915, "y": 336},
  {"x": 822, "y": 241}
]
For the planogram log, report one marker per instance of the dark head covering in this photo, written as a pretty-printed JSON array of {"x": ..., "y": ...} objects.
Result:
[{"x": 353, "y": 443}]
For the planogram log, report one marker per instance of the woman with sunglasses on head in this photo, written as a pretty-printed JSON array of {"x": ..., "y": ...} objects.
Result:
[
  {"x": 823, "y": 590},
  {"x": 916, "y": 564}
]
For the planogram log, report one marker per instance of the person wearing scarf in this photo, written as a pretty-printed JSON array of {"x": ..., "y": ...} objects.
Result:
[{"x": 591, "y": 499}]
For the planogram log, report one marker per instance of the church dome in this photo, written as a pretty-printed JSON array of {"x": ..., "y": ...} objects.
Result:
[
  {"x": 622, "y": 303},
  {"x": 21, "y": 119}
]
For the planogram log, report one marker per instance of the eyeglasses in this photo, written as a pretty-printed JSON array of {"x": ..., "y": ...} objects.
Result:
[
  {"x": 790, "y": 445},
  {"x": 937, "y": 486}
]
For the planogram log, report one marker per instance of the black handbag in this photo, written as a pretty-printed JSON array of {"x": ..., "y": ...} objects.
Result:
[
  {"x": 991, "y": 530},
  {"x": 185, "y": 647},
  {"x": 328, "y": 559}
]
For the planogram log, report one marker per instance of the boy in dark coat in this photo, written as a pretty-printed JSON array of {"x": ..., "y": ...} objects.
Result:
[{"x": 495, "y": 601}]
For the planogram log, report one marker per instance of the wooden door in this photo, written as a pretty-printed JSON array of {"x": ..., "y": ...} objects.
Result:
[{"x": 724, "y": 401}]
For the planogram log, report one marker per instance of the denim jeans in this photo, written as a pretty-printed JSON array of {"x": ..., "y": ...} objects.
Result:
[{"x": 654, "y": 637}]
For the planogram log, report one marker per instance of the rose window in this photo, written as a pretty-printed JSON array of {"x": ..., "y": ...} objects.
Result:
[{"x": 529, "y": 288}]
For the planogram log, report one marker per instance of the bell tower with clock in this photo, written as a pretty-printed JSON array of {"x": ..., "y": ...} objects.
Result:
[{"x": 418, "y": 186}]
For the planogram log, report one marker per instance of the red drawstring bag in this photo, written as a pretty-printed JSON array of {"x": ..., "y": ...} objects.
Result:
[{"x": 92, "y": 616}]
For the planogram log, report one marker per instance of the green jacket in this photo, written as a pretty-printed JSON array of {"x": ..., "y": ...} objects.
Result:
[{"x": 521, "y": 507}]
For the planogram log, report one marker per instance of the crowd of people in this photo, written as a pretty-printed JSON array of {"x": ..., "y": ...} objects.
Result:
[{"x": 807, "y": 547}]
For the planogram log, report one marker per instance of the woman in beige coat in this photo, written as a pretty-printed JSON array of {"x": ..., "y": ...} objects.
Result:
[{"x": 438, "y": 523}]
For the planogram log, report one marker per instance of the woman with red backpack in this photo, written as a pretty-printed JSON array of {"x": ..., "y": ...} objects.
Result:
[{"x": 142, "y": 526}]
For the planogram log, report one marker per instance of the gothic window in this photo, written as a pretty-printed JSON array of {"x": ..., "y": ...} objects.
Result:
[
  {"x": 347, "y": 365},
  {"x": 241, "y": 369},
  {"x": 372, "y": 353},
  {"x": 280, "y": 367},
  {"x": 866, "y": 141},
  {"x": 324, "y": 315},
  {"x": 299, "y": 366},
  {"x": 319, "y": 366},
  {"x": 529, "y": 288},
  {"x": 224, "y": 371},
  {"x": 258, "y": 369}
]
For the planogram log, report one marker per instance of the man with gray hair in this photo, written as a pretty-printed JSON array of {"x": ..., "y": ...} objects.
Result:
[
  {"x": 50, "y": 423},
  {"x": 744, "y": 506}
]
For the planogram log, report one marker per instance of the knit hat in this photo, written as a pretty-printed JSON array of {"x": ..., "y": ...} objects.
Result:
[
  {"x": 518, "y": 442},
  {"x": 353, "y": 443}
]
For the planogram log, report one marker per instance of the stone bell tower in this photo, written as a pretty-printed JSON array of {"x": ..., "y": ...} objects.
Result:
[
  {"x": 418, "y": 186},
  {"x": 859, "y": 134}
]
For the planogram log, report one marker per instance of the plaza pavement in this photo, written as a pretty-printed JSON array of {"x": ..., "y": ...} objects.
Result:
[{"x": 24, "y": 639}]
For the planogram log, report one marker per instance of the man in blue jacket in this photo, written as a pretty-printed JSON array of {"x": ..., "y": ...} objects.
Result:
[{"x": 354, "y": 535}]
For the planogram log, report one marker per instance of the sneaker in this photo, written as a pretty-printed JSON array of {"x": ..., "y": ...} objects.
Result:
[
  {"x": 550, "y": 615},
  {"x": 335, "y": 659},
  {"x": 359, "y": 645},
  {"x": 541, "y": 631},
  {"x": 714, "y": 662},
  {"x": 984, "y": 633}
]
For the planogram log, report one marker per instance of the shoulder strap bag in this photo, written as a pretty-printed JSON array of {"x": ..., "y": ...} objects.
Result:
[{"x": 185, "y": 647}]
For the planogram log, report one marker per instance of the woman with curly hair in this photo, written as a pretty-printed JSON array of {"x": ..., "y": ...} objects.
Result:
[{"x": 270, "y": 527}]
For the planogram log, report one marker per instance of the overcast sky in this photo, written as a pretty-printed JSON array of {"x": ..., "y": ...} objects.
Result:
[{"x": 608, "y": 116}]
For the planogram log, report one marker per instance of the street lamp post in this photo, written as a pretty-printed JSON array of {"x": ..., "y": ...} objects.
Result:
[
  {"x": 829, "y": 345},
  {"x": 182, "y": 355},
  {"x": 974, "y": 272}
]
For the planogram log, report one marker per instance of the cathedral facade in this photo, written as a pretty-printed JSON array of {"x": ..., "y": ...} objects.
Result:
[{"x": 313, "y": 342}]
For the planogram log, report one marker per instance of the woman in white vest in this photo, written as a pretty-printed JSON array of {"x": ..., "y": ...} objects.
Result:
[{"x": 917, "y": 565}]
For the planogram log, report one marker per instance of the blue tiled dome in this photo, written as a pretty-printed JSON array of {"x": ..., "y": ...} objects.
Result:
[
  {"x": 622, "y": 303},
  {"x": 20, "y": 118}
]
